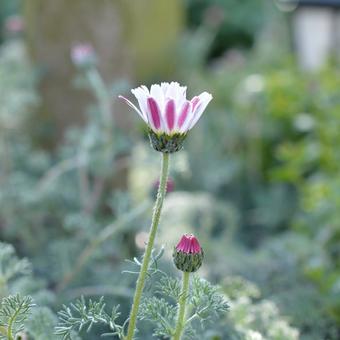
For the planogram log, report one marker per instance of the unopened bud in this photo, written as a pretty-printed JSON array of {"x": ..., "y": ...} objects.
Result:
[
  {"x": 188, "y": 254},
  {"x": 83, "y": 55}
]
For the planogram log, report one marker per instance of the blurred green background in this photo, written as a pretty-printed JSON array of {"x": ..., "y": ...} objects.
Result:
[{"x": 257, "y": 182}]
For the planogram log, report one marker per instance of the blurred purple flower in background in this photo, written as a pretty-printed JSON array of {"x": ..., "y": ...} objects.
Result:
[
  {"x": 170, "y": 186},
  {"x": 83, "y": 54},
  {"x": 14, "y": 25}
]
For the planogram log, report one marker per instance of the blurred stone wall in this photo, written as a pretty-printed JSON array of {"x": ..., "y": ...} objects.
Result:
[{"x": 134, "y": 39}]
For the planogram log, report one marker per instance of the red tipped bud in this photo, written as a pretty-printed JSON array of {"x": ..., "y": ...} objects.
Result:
[{"x": 188, "y": 254}]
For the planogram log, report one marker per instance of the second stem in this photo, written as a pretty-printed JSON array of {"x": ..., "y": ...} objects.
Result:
[
  {"x": 181, "y": 306},
  {"x": 146, "y": 259}
]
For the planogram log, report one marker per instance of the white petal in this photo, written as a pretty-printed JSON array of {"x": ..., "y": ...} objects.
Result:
[
  {"x": 145, "y": 89},
  {"x": 205, "y": 99},
  {"x": 157, "y": 93},
  {"x": 164, "y": 87},
  {"x": 172, "y": 90},
  {"x": 127, "y": 101},
  {"x": 181, "y": 96},
  {"x": 184, "y": 90},
  {"x": 176, "y": 92},
  {"x": 141, "y": 94}
]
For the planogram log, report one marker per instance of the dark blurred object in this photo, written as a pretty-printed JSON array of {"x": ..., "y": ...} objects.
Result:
[
  {"x": 234, "y": 21},
  {"x": 331, "y": 3}
]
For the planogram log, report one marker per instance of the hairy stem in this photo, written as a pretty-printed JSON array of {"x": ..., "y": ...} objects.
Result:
[
  {"x": 181, "y": 306},
  {"x": 152, "y": 234}
]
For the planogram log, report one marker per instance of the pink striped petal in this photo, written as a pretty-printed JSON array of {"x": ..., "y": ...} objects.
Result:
[
  {"x": 195, "y": 246},
  {"x": 194, "y": 101},
  {"x": 170, "y": 114},
  {"x": 189, "y": 245},
  {"x": 204, "y": 99},
  {"x": 184, "y": 113},
  {"x": 153, "y": 113}
]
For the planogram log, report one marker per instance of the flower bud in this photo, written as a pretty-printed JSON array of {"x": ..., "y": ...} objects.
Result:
[
  {"x": 83, "y": 55},
  {"x": 188, "y": 254},
  {"x": 14, "y": 26}
]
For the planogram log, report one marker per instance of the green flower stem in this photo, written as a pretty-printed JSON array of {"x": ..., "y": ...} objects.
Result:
[
  {"x": 152, "y": 234},
  {"x": 181, "y": 304}
]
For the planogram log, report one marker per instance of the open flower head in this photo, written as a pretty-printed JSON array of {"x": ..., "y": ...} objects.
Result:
[
  {"x": 168, "y": 113},
  {"x": 188, "y": 254}
]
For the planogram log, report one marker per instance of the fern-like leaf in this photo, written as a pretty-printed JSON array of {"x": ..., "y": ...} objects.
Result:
[
  {"x": 160, "y": 313},
  {"x": 82, "y": 315},
  {"x": 207, "y": 300},
  {"x": 170, "y": 287},
  {"x": 14, "y": 311}
]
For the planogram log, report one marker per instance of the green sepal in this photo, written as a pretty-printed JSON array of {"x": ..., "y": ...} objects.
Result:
[
  {"x": 187, "y": 262},
  {"x": 163, "y": 142}
]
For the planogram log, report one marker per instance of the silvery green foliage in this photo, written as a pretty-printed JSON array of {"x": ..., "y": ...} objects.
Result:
[
  {"x": 40, "y": 324},
  {"x": 82, "y": 316},
  {"x": 66, "y": 192},
  {"x": 262, "y": 318},
  {"x": 159, "y": 306},
  {"x": 207, "y": 300},
  {"x": 18, "y": 95},
  {"x": 14, "y": 310},
  {"x": 160, "y": 313},
  {"x": 252, "y": 318},
  {"x": 16, "y": 277},
  {"x": 206, "y": 303},
  {"x": 10, "y": 265},
  {"x": 153, "y": 269}
]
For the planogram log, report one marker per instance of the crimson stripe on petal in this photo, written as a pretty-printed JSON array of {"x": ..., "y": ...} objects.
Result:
[
  {"x": 155, "y": 113},
  {"x": 194, "y": 102},
  {"x": 184, "y": 114},
  {"x": 170, "y": 114}
]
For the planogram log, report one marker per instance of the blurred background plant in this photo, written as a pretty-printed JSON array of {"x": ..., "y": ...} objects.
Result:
[{"x": 257, "y": 181}]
